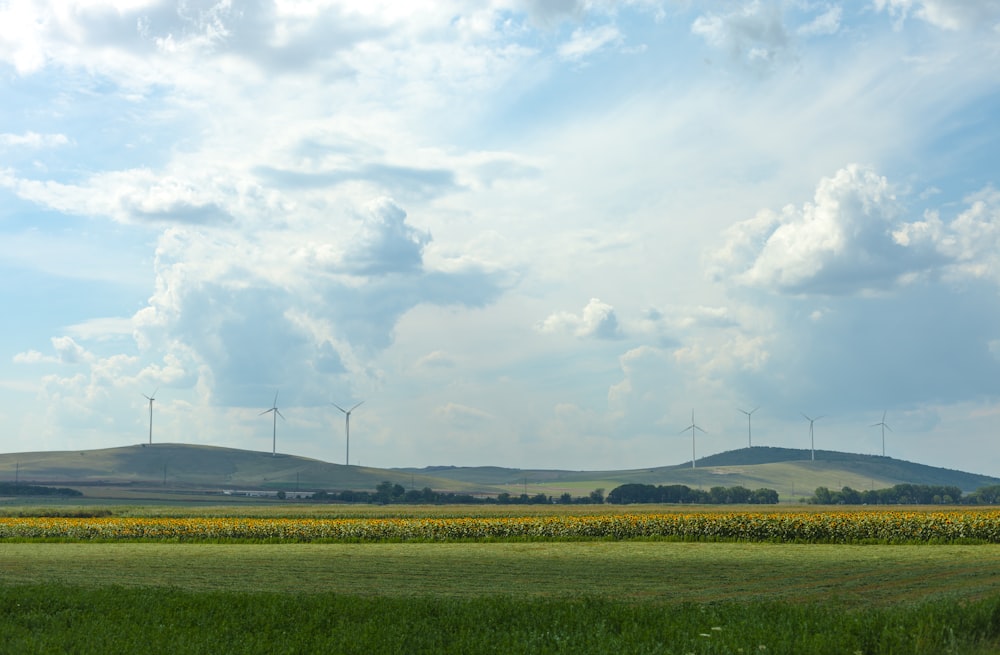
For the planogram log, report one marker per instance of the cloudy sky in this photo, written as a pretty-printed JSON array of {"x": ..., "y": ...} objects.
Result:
[{"x": 527, "y": 233}]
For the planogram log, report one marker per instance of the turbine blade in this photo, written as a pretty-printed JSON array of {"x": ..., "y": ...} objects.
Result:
[
  {"x": 887, "y": 427},
  {"x": 356, "y": 406},
  {"x": 276, "y": 411},
  {"x": 806, "y": 417},
  {"x": 275, "y": 403},
  {"x": 266, "y": 411},
  {"x": 339, "y": 407}
]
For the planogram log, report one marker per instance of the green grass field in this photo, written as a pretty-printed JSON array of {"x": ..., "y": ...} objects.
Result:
[
  {"x": 595, "y": 596},
  {"x": 848, "y": 576}
]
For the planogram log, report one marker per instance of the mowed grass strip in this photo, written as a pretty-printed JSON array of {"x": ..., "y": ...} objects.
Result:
[{"x": 848, "y": 576}]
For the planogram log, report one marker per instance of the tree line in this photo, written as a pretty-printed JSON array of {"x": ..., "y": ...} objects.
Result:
[
  {"x": 388, "y": 493},
  {"x": 679, "y": 493},
  {"x": 907, "y": 494},
  {"x": 16, "y": 489}
]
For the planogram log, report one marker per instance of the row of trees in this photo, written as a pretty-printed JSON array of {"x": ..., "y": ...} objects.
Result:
[
  {"x": 387, "y": 492},
  {"x": 679, "y": 493},
  {"x": 15, "y": 489},
  {"x": 907, "y": 494}
]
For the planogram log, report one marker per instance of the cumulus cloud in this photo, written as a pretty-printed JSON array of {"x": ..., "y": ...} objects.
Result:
[
  {"x": 968, "y": 245},
  {"x": 263, "y": 310},
  {"x": 387, "y": 243},
  {"x": 842, "y": 242},
  {"x": 597, "y": 320}
]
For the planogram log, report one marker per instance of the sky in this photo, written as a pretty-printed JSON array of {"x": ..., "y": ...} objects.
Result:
[{"x": 525, "y": 233}]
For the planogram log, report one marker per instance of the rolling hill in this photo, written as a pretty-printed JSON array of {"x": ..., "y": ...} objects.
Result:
[
  {"x": 181, "y": 468},
  {"x": 789, "y": 471}
]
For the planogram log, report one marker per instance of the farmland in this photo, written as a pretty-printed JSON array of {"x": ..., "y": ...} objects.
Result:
[
  {"x": 581, "y": 594},
  {"x": 887, "y": 526}
]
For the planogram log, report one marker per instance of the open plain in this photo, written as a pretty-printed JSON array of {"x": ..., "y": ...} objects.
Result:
[{"x": 582, "y": 595}]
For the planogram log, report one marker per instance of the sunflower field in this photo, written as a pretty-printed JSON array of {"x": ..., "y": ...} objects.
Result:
[{"x": 890, "y": 527}]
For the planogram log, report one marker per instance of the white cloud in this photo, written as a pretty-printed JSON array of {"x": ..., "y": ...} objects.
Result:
[
  {"x": 462, "y": 415},
  {"x": 33, "y": 140},
  {"x": 826, "y": 23},
  {"x": 69, "y": 351},
  {"x": 34, "y": 357},
  {"x": 585, "y": 42},
  {"x": 387, "y": 244},
  {"x": 946, "y": 14},
  {"x": 755, "y": 32},
  {"x": 840, "y": 243},
  {"x": 969, "y": 245},
  {"x": 436, "y": 360},
  {"x": 138, "y": 195},
  {"x": 99, "y": 329},
  {"x": 597, "y": 320}
]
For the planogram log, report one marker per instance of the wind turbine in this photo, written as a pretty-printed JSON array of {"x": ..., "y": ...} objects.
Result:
[
  {"x": 692, "y": 427},
  {"x": 347, "y": 428},
  {"x": 151, "y": 399},
  {"x": 749, "y": 441},
  {"x": 274, "y": 427},
  {"x": 884, "y": 426},
  {"x": 812, "y": 441}
]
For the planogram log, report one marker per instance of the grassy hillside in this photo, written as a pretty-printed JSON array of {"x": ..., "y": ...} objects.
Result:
[
  {"x": 178, "y": 468},
  {"x": 789, "y": 471},
  {"x": 181, "y": 466}
]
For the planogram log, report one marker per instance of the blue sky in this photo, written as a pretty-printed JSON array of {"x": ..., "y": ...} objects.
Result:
[{"x": 527, "y": 233}]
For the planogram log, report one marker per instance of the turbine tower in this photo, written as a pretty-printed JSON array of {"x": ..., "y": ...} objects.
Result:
[
  {"x": 884, "y": 427},
  {"x": 150, "y": 399},
  {"x": 812, "y": 441},
  {"x": 347, "y": 428},
  {"x": 694, "y": 426},
  {"x": 749, "y": 440},
  {"x": 274, "y": 427}
]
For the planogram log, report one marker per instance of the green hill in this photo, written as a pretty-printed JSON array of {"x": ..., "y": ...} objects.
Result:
[
  {"x": 791, "y": 472},
  {"x": 181, "y": 468},
  {"x": 189, "y": 467}
]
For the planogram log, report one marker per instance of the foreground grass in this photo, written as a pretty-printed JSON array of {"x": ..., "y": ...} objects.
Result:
[
  {"x": 636, "y": 571},
  {"x": 59, "y": 619}
]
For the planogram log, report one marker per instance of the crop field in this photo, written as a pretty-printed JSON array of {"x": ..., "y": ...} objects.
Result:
[
  {"x": 149, "y": 582},
  {"x": 851, "y": 527}
]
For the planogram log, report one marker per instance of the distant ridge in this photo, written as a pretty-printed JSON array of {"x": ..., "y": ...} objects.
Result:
[
  {"x": 871, "y": 465},
  {"x": 184, "y": 468},
  {"x": 790, "y": 471}
]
